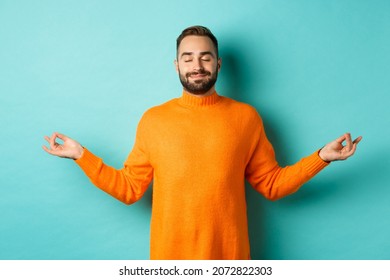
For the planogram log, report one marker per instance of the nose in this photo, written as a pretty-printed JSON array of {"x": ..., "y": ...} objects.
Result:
[{"x": 198, "y": 64}]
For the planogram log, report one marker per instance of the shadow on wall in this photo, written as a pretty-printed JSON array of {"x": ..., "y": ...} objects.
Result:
[
  {"x": 236, "y": 72},
  {"x": 241, "y": 79}
]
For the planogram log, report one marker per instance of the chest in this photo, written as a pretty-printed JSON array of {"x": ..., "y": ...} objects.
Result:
[{"x": 198, "y": 140}]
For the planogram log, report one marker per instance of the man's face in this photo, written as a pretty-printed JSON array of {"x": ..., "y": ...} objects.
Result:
[{"x": 197, "y": 65}]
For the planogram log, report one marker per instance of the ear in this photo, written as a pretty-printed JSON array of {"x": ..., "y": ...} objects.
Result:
[
  {"x": 176, "y": 65},
  {"x": 219, "y": 64}
]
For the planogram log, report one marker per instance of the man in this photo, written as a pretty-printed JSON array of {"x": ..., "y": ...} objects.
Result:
[{"x": 199, "y": 149}]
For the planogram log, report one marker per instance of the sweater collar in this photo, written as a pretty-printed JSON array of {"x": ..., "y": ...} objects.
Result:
[{"x": 190, "y": 100}]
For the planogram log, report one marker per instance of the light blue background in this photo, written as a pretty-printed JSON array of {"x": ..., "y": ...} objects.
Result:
[{"x": 89, "y": 69}]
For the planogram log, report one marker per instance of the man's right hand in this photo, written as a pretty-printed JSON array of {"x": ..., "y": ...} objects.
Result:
[{"x": 68, "y": 149}]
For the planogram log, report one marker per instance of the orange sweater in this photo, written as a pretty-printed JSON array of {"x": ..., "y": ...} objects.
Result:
[{"x": 198, "y": 151}]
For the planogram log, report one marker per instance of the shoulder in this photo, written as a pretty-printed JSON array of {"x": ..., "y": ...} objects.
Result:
[
  {"x": 156, "y": 115},
  {"x": 243, "y": 109},
  {"x": 159, "y": 110}
]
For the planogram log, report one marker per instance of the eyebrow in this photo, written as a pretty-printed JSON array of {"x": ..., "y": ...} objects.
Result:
[{"x": 201, "y": 53}]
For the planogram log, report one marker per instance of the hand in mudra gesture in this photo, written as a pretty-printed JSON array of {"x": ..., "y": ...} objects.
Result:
[
  {"x": 68, "y": 149},
  {"x": 335, "y": 150}
]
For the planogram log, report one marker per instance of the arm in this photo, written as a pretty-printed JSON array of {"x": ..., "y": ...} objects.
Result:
[
  {"x": 127, "y": 184},
  {"x": 275, "y": 182}
]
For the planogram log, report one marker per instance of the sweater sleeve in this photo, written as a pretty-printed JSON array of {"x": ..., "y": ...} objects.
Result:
[
  {"x": 273, "y": 181},
  {"x": 127, "y": 184}
]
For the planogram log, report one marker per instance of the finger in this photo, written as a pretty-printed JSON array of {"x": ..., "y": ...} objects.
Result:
[
  {"x": 348, "y": 142},
  {"x": 352, "y": 151},
  {"x": 357, "y": 140},
  {"x": 354, "y": 146},
  {"x": 57, "y": 152},
  {"x": 52, "y": 141},
  {"x": 48, "y": 150},
  {"x": 341, "y": 139},
  {"x": 62, "y": 136}
]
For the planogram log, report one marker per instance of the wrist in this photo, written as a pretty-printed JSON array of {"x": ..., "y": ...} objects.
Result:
[
  {"x": 322, "y": 156},
  {"x": 79, "y": 153}
]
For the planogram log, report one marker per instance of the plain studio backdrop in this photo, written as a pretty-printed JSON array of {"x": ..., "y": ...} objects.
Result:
[{"x": 89, "y": 69}]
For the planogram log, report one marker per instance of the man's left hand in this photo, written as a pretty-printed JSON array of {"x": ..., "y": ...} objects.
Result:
[{"x": 335, "y": 150}]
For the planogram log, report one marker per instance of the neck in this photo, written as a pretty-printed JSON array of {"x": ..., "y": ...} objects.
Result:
[
  {"x": 195, "y": 101},
  {"x": 203, "y": 94}
]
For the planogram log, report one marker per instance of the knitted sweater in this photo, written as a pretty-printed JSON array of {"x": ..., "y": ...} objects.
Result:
[{"x": 199, "y": 151}]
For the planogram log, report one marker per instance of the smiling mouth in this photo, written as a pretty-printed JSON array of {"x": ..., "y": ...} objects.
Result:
[{"x": 198, "y": 75}]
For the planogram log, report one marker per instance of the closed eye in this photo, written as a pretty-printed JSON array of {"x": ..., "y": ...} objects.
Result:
[{"x": 206, "y": 57}]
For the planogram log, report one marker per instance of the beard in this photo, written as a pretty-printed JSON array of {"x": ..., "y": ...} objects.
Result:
[{"x": 198, "y": 87}]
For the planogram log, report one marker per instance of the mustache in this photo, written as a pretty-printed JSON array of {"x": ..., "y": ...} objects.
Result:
[{"x": 201, "y": 72}]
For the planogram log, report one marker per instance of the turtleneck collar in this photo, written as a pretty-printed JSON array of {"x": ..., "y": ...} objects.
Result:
[{"x": 190, "y": 100}]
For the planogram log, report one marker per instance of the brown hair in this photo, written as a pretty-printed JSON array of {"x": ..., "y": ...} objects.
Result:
[{"x": 197, "y": 30}]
